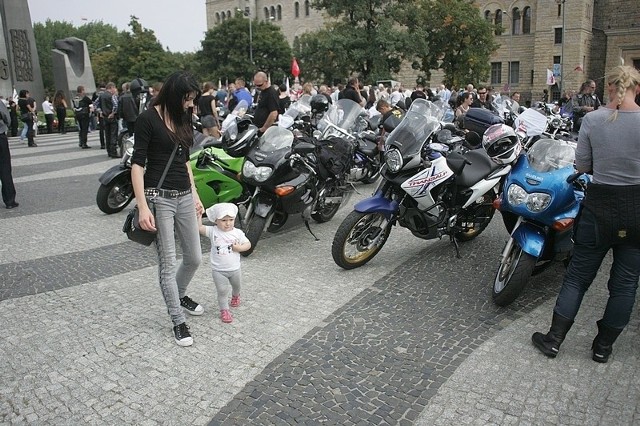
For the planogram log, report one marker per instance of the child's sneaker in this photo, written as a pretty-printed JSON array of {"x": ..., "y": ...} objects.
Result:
[
  {"x": 235, "y": 301},
  {"x": 225, "y": 315},
  {"x": 192, "y": 307}
]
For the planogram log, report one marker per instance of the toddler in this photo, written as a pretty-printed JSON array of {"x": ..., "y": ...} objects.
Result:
[{"x": 227, "y": 243}]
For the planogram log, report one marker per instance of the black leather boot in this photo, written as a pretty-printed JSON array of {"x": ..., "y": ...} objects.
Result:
[
  {"x": 549, "y": 343},
  {"x": 603, "y": 343}
]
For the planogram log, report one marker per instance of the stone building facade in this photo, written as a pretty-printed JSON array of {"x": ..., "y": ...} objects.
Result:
[{"x": 576, "y": 39}]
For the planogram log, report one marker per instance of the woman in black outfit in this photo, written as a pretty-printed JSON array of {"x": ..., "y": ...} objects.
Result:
[
  {"x": 27, "y": 106},
  {"x": 60, "y": 105},
  {"x": 166, "y": 126}
]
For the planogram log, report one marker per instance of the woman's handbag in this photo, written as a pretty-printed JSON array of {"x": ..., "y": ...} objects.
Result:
[{"x": 131, "y": 225}]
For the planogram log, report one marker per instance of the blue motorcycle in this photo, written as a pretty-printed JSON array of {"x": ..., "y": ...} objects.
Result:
[{"x": 539, "y": 203}]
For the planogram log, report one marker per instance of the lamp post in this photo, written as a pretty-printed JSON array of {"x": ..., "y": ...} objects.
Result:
[
  {"x": 247, "y": 12},
  {"x": 102, "y": 48},
  {"x": 505, "y": 13},
  {"x": 561, "y": 3}
]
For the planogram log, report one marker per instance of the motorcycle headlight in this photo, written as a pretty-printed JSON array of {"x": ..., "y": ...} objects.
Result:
[
  {"x": 516, "y": 195},
  {"x": 538, "y": 201},
  {"x": 393, "y": 158},
  {"x": 259, "y": 174}
]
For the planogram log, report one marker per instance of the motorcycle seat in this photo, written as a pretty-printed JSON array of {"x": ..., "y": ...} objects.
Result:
[
  {"x": 481, "y": 166},
  {"x": 368, "y": 148}
]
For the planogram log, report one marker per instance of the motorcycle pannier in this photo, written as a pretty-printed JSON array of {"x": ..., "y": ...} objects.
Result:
[
  {"x": 479, "y": 119},
  {"x": 335, "y": 155}
]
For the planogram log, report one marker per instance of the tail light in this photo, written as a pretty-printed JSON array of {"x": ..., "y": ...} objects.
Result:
[
  {"x": 562, "y": 224},
  {"x": 497, "y": 203}
]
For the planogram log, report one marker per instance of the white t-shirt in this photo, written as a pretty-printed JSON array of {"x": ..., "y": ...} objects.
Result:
[
  {"x": 47, "y": 107},
  {"x": 223, "y": 258}
]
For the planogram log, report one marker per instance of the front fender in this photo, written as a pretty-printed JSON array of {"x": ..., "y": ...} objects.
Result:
[
  {"x": 263, "y": 204},
  {"x": 113, "y": 173},
  {"x": 530, "y": 238},
  {"x": 378, "y": 203}
]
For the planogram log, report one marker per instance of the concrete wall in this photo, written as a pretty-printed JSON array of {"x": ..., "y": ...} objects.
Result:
[
  {"x": 19, "y": 63},
  {"x": 72, "y": 66}
]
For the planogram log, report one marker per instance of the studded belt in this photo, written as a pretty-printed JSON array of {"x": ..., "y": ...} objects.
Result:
[{"x": 166, "y": 193}]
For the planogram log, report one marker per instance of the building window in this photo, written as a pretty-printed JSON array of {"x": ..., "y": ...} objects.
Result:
[
  {"x": 557, "y": 35},
  {"x": 556, "y": 59},
  {"x": 514, "y": 72},
  {"x": 228, "y": 14},
  {"x": 306, "y": 7},
  {"x": 526, "y": 21},
  {"x": 266, "y": 13},
  {"x": 496, "y": 72},
  {"x": 217, "y": 17},
  {"x": 498, "y": 21},
  {"x": 515, "y": 21},
  {"x": 487, "y": 15},
  {"x": 559, "y": 10},
  {"x": 296, "y": 8},
  {"x": 279, "y": 12},
  {"x": 272, "y": 14}
]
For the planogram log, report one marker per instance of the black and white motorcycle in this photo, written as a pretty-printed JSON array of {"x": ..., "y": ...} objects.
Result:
[{"x": 433, "y": 184}]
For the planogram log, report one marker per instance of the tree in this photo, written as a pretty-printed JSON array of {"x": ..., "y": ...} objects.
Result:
[
  {"x": 450, "y": 35},
  {"x": 45, "y": 35},
  {"x": 225, "y": 50},
  {"x": 365, "y": 39}
]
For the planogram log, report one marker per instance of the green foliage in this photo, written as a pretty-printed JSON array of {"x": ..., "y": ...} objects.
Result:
[
  {"x": 45, "y": 35},
  {"x": 451, "y": 35},
  {"x": 365, "y": 39},
  {"x": 225, "y": 52}
]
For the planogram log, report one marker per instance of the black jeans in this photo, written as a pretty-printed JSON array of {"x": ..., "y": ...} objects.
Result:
[
  {"x": 61, "y": 112},
  {"x": 83, "y": 126},
  {"x": 8, "y": 189},
  {"x": 49, "y": 120},
  {"x": 111, "y": 135},
  {"x": 30, "y": 132},
  {"x": 587, "y": 258}
]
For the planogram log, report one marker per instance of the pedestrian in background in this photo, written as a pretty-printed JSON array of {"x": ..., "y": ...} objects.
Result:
[
  {"x": 60, "y": 105},
  {"x": 6, "y": 179},
  {"x": 128, "y": 109},
  {"x": 109, "y": 114},
  {"x": 83, "y": 109},
  {"x": 227, "y": 242},
  {"x": 584, "y": 102},
  {"x": 609, "y": 148},
  {"x": 266, "y": 111},
  {"x": 13, "y": 114},
  {"x": 47, "y": 108},
  {"x": 97, "y": 112},
  {"x": 162, "y": 132},
  {"x": 27, "y": 107}
]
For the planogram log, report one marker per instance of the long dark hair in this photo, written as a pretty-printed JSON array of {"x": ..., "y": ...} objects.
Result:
[
  {"x": 58, "y": 98},
  {"x": 170, "y": 100}
]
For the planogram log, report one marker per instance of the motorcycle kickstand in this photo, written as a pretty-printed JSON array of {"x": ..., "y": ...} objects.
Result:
[
  {"x": 454, "y": 240},
  {"x": 306, "y": 223}
]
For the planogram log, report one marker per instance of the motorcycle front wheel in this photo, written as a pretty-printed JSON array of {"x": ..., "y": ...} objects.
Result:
[
  {"x": 513, "y": 275},
  {"x": 359, "y": 238},
  {"x": 115, "y": 196},
  {"x": 254, "y": 229}
]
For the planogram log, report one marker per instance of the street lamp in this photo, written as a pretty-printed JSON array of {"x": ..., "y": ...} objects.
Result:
[
  {"x": 102, "y": 48},
  {"x": 247, "y": 12},
  {"x": 504, "y": 12},
  {"x": 561, "y": 3}
]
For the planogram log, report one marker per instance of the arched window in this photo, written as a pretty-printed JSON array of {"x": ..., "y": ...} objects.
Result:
[
  {"x": 279, "y": 12},
  {"x": 515, "y": 21},
  {"x": 266, "y": 13},
  {"x": 306, "y": 7},
  {"x": 487, "y": 15},
  {"x": 217, "y": 17},
  {"x": 498, "y": 21},
  {"x": 296, "y": 8},
  {"x": 272, "y": 14},
  {"x": 526, "y": 20},
  {"x": 228, "y": 14},
  {"x": 223, "y": 17}
]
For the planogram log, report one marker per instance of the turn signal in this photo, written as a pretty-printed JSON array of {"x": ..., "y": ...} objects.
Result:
[
  {"x": 497, "y": 203},
  {"x": 283, "y": 191},
  {"x": 562, "y": 224}
]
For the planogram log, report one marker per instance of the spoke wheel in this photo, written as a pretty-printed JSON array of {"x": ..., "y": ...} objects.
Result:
[{"x": 359, "y": 238}]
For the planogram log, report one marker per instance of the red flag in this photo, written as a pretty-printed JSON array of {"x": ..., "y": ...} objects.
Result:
[
  {"x": 578, "y": 68},
  {"x": 295, "y": 69}
]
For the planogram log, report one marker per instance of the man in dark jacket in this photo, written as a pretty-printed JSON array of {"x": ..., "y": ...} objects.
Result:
[
  {"x": 352, "y": 92},
  {"x": 128, "y": 109},
  {"x": 8, "y": 189},
  {"x": 109, "y": 113}
]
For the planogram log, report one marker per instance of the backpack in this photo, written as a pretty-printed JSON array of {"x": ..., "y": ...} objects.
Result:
[{"x": 334, "y": 157}]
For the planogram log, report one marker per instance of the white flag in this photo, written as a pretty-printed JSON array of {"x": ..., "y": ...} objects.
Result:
[
  {"x": 551, "y": 80},
  {"x": 15, "y": 95},
  {"x": 288, "y": 88}
]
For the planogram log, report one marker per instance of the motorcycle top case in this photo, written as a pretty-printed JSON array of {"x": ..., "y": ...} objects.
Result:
[{"x": 479, "y": 119}]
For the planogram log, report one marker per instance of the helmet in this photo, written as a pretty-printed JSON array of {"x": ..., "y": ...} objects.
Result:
[
  {"x": 138, "y": 86},
  {"x": 319, "y": 103},
  {"x": 501, "y": 143},
  {"x": 238, "y": 144}
]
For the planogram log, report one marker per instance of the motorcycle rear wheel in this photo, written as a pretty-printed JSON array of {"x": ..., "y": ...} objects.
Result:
[
  {"x": 512, "y": 276},
  {"x": 253, "y": 232},
  {"x": 353, "y": 245},
  {"x": 326, "y": 212},
  {"x": 116, "y": 196}
]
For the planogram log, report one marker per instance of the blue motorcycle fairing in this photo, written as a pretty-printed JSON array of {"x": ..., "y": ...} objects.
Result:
[
  {"x": 378, "y": 203},
  {"x": 113, "y": 173},
  {"x": 530, "y": 238}
]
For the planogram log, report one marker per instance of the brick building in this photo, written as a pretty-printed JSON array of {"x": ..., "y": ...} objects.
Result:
[{"x": 592, "y": 35}]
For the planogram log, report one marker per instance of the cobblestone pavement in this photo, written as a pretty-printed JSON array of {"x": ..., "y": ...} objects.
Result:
[{"x": 410, "y": 338}]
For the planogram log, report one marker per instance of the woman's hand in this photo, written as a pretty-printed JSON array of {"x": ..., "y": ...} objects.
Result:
[
  {"x": 146, "y": 219},
  {"x": 198, "y": 204}
]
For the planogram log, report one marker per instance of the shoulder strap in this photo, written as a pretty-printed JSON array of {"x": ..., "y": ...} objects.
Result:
[{"x": 166, "y": 169}]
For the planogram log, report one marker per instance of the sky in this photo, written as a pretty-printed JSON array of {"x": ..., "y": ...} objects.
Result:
[{"x": 179, "y": 25}]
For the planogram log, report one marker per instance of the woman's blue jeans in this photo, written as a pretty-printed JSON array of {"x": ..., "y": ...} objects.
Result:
[
  {"x": 587, "y": 258},
  {"x": 176, "y": 217}
]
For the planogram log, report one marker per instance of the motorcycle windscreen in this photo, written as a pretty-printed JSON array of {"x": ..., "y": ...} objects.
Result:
[
  {"x": 547, "y": 155},
  {"x": 531, "y": 122},
  {"x": 422, "y": 119},
  {"x": 275, "y": 139},
  {"x": 343, "y": 114}
]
